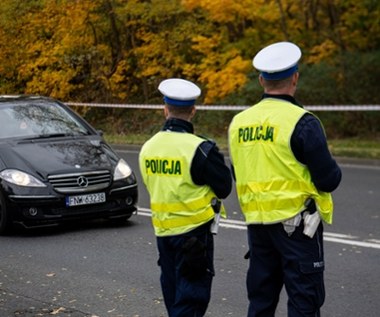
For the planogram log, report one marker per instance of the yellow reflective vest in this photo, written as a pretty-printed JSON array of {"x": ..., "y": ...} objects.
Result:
[
  {"x": 271, "y": 184},
  {"x": 178, "y": 205}
]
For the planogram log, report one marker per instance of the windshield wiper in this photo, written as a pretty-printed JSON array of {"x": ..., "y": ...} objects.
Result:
[
  {"x": 48, "y": 135},
  {"x": 54, "y": 135}
]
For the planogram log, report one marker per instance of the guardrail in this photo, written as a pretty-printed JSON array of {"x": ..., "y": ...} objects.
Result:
[{"x": 230, "y": 107}]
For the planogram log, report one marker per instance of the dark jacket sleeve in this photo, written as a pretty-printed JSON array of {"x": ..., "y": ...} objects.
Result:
[
  {"x": 208, "y": 168},
  {"x": 309, "y": 145}
]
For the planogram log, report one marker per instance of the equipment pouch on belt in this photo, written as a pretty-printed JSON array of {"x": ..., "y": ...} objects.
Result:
[
  {"x": 291, "y": 224},
  {"x": 311, "y": 218},
  {"x": 311, "y": 223},
  {"x": 194, "y": 265},
  {"x": 215, "y": 204}
]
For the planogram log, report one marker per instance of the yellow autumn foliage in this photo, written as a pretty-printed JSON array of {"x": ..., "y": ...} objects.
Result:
[
  {"x": 119, "y": 50},
  {"x": 322, "y": 52},
  {"x": 225, "y": 81}
]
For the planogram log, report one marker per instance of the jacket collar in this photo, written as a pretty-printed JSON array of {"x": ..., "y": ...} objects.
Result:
[
  {"x": 178, "y": 125},
  {"x": 283, "y": 97}
]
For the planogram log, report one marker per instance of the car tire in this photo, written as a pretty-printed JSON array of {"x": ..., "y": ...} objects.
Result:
[{"x": 5, "y": 221}]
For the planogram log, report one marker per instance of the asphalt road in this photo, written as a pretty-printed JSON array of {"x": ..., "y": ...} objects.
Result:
[{"x": 98, "y": 269}]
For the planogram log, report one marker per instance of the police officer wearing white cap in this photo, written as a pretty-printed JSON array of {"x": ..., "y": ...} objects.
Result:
[
  {"x": 284, "y": 176},
  {"x": 186, "y": 177}
]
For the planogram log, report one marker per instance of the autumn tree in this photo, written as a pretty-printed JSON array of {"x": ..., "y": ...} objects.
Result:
[{"x": 119, "y": 50}]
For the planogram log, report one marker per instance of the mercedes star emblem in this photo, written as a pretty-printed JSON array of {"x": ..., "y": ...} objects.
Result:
[{"x": 82, "y": 181}]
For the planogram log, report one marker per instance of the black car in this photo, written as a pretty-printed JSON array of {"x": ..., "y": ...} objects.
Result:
[{"x": 55, "y": 167}]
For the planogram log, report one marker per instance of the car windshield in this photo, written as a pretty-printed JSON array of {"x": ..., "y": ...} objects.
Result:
[{"x": 37, "y": 120}]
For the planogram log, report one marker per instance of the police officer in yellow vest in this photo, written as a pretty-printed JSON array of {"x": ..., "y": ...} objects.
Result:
[
  {"x": 284, "y": 175},
  {"x": 186, "y": 177}
]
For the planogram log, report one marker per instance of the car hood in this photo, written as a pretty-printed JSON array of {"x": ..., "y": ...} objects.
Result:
[{"x": 55, "y": 157}]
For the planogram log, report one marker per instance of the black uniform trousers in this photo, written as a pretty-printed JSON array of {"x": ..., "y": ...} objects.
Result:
[
  {"x": 187, "y": 270},
  {"x": 277, "y": 259}
]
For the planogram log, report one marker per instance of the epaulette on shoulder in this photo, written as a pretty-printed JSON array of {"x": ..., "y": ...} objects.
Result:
[{"x": 206, "y": 146}]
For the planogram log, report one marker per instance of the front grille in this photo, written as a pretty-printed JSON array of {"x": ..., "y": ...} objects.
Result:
[{"x": 80, "y": 182}]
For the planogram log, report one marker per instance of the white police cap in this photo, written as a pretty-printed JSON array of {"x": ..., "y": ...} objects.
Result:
[
  {"x": 277, "y": 61},
  {"x": 179, "y": 92}
]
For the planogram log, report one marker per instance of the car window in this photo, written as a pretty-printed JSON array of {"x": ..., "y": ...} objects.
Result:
[{"x": 38, "y": 119}]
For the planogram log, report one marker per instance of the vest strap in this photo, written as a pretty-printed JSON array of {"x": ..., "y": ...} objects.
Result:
[
  {"x": 203, "y": 217},
  {"x": 196, "y": 204}
]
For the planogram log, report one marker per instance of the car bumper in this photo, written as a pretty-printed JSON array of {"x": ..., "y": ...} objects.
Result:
[{"x": 46, "y": 210}]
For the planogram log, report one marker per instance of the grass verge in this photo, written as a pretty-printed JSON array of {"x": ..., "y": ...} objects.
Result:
[{"x": 355, "y": 148}]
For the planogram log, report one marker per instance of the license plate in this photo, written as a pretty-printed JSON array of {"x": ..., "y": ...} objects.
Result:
[{"x": 88, "y": 199}]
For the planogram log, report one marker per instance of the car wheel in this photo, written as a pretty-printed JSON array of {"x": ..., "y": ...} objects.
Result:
[{"x": 5, "y": 221}]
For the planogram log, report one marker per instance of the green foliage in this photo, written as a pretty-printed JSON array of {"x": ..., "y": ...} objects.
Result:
[
  {"x": 117, "y": 121},
  {"x": 347, "y": 79},
  {"x": 351, "y": 124},
  {"x": 355, "y": 147}
]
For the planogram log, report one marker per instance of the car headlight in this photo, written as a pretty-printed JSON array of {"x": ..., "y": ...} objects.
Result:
[
  {"x": 122, "y": 170},
  {"x": 20, "y": 178}
]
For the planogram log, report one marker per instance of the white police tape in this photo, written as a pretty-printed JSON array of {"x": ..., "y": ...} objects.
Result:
[{"x": 229, "y": 107}]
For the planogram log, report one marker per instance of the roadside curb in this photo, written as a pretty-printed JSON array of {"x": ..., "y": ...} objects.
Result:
[{"x": 357, "y": 161}]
